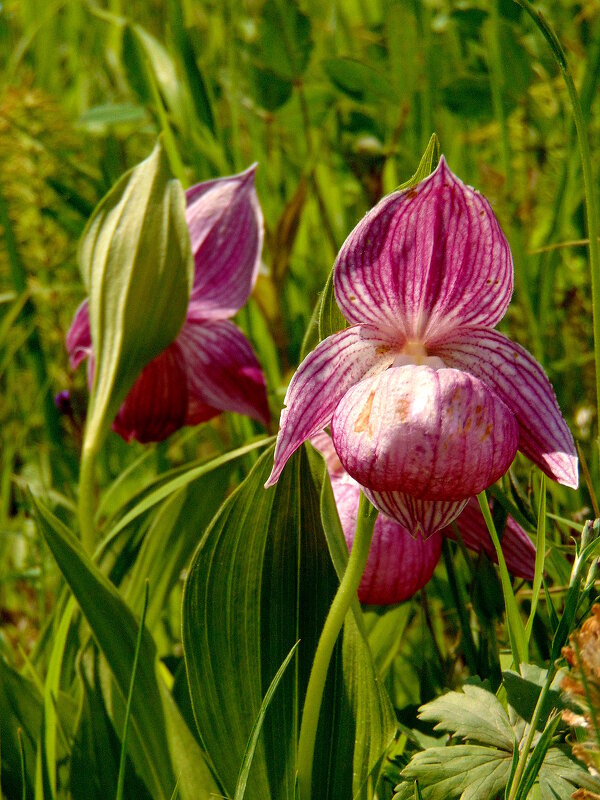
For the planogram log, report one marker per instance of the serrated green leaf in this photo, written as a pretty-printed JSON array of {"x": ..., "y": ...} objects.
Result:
[
  {"x": 560, "y": 775},
  {"x": 468, "y": 772},
  {"x": 136, "y": 261},
  {"x": 474, "y": 714},
  {"x": 154, "y": 725}
]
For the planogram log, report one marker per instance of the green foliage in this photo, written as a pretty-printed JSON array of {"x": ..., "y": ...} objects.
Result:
[{"x": 481, "y": 768}]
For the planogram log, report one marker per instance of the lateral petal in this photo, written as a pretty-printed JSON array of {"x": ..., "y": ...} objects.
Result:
[
  {"x": 435, "y": 434},
  {"x": 156, "y": 405},
  {"x": 226, "y": 228},
  {"x": 321, "y": 381},
  {"x": 520, "y": 381},
  {"x": 426, "y": 260},
  {"x": 518, "y": 549},
  {"x": 419, "y": 517},
  {"x": 79, "y": 338},
  {"x": 221, "y": 369}
]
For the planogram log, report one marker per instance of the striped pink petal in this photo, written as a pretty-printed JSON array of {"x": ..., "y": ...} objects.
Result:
[
  {"x": 419, "y": 517},
  {"x": 222, "y": 371},
  {"x": 518, "y": 549},
  {"x": 426, "y": 261},
  {"x": 516, "y": 377},
  {"x": 79, "y": 338},
  {"x": 156, "y": 405},
  {"x": 226, "y": 228},
  {"x": 321, "y": 381},
  {"x": 398, "y": 565},
  {"x": 435, "y": 434}
]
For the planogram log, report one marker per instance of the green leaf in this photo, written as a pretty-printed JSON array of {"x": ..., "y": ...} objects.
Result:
[
  {"x": 136, "y": 262},
  {"x": 285, "y": 41},
  {"x": 240, "y": 788},
  {"x": 20, "y": 710},
  {"x": 469, "y": 96},
  {"x": 116, "y": 630},
  {"x": 331, "y": 319},
  {"x": 467, "y": 771},
  {"x": 560, "y": 775},
  {"x": 536, "y": 759},
  {"x": 359, "y": 81},
  {"x": 474, "y": 714},
  {"x": 95, "y": 756},
  {"x": 260, "y": 580},
  {"x": 429, "y": 161}
]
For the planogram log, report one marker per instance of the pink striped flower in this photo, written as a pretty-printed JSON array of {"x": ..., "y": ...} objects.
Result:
[
  {"x": 399, "y": 564},
  {"x": 427, "y": 403},
  {"x": 211, "y": 366}
]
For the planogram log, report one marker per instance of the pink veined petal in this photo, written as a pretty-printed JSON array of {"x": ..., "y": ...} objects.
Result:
[
  {"x": 426, "y": 260},
  {"x": 221, "y": 369},
  {"x": 419, "y": 517},
  {"x": 156, "y": 405},
  {"x": 398, "y": 565},
  {"x": 226, "y": 228},
  {"x": 322, "y": 442},
  {"x": 518, "y": 549},
  {"x": 520, "y": 381},
  {"x": 321, "y": 381},
  {"x": 435, "y": 434},
  {"x": 79, "y": 338}
]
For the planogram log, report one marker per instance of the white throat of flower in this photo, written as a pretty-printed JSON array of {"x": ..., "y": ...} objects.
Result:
[{"x": 415, "y": 353}]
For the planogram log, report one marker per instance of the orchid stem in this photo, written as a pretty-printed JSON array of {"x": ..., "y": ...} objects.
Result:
[
  {"x": 85, "y": 506},
  {"x": 591, "y": 204},
  {"x": 329, "y": 635}
]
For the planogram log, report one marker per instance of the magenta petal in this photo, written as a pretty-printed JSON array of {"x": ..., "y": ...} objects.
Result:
[
  {"x": 426, "y": 261},
  {"x": 321, "y": 381},
  {"x": 520, "y": 381},
  {"x": 226, "y": 228},
  {"x": 156, "y": 405},
  {"x": 419, "y": 517},
  {"x": 518, "y": 549},
  {"x": 79, "y": 338},
  {"x": 435, "y": 434},
  {"x": 222, "y": 370}
]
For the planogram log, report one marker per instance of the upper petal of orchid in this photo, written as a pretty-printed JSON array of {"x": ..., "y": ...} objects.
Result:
[
  {"x": 520, "y": 381},
  {"x": 419, "y": 517},
  {"x": 156, "y": 405},
  {"x": 426, "y": 260},
  {"x": 518, "y": 549},
  {"x": 321, "y": 381},
  {"x": 226, "y": 227},
  {"x": 79, "y": 338},
  {"x": 222, "y": 371},
  {"x": 434, "y": 434}
]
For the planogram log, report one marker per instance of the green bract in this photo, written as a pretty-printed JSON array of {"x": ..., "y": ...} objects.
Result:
[{"x": 136, "y": 261}]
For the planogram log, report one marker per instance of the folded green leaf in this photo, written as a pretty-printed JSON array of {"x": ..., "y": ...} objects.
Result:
[{"x": 136, "y": 261}]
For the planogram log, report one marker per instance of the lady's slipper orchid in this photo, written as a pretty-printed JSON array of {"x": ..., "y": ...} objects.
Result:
[
  {"x": 398, "y": 564},
  {"x": 210, "y": 367},
  {"x": 427, "y": 403}
]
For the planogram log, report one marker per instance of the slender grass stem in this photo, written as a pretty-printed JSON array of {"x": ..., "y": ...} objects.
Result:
[
  {"x": 526, "y": 747},
  {"x": 329, "y": 635},
  {"x": 85, "y": 507},
  {"x": 591, "y": 204}
]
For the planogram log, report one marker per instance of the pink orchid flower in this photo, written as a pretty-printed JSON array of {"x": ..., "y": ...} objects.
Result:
[
  {"x": 427, "y": 403},
  {"x": 399, "y": 564},
  {"x": 210, "y": 367}
]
